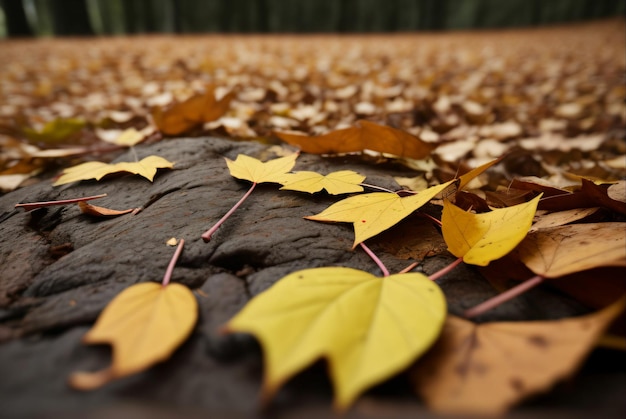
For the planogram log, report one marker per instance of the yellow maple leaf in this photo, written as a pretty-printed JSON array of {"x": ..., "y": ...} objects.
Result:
[
  {"x": 254, "y": 170},
  {"x": 367, "y": 327},
  {"x": 335, "y": 183},
  {"x": 375, "y": 212},
  {"x": 562, "y": 250},
  {"x": 481, "y": 238},
  {"x": 483, "y": 369},
  {"x": 145, "y": 323},
  {"x": 146, "y": 167}
]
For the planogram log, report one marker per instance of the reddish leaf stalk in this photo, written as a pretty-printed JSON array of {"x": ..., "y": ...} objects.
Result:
[
  {"x": 375, "y": 258},
  {"x": 170, "y": 267},
  {"x": 34, "y": 205},
  {"x": 445, "y": 270},
  {"x": 505, "y": 296},
  {"x": 207, "y": 234},
  {"x": 409, "y": 268},
  {"x": 433, "y": 219}
]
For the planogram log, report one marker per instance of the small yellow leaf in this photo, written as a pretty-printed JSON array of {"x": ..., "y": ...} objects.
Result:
[
  {"x": 368, "y": 328},
  {"x": 483, "y": 369},
  {"x": 254, "y": 170},
  {"x": 146, "y": 167},
  {"x": 145, "y": 324},
  {"x": 481, "y": 238},
  {"x": 374, "y": 213},
  {"x": 335, "y": 183},
  {"x": 129, "y": 137},
  {"x": 558, "y": 251}
]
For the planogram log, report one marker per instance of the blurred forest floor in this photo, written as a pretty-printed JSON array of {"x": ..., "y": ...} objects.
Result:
[{"x": 556, "y": 91}]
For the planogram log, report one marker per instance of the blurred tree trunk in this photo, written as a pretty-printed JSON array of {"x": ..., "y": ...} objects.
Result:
[
  {"x": 16, "y": 22},
  {"x": 112, "y": 17}
]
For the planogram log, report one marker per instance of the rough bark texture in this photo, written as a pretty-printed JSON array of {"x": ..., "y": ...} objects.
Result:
[{"x": 61, "y": 267}]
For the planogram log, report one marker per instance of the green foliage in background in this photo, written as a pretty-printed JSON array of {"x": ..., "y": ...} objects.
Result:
[{"x": 115, "y": 17}]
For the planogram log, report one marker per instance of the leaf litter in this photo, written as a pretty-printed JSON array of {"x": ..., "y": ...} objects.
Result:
[{"x": 570, "y": 152}]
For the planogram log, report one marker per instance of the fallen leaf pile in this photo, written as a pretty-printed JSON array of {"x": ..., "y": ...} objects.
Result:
[
  {"x": 515, "y": 141},
  {"x": 556, "y": 91}
]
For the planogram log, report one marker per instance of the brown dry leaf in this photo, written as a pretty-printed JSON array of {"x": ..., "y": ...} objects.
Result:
[
  {"x": 484, "y": 369},
  {"x": 194, "y": 111},
  {"x": 558, "y": 251},
  {"x": 560, "y": 218},
  {"x": 589, "y": 195},
  {"x": 97, "y": 211},
  {"x": 617, "y": 192},
  {"x": 364, "y": 136}
]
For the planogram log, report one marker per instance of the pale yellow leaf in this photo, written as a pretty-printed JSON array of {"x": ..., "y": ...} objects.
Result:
[
  {"x": 376, "y": 212},
  {"x": 254, "y": 170},
  {"x": 368, "y": 328},
  {"x": 335, "y": 183},
  {"x": 146, "y": 167},
  {"x": 558, "y": 251},
  {"x": 145, "y": 324},
  {"x": 481, "y": 238},
  {"x": 480, "y": 370},
  {"x": 129, "y": 137}
]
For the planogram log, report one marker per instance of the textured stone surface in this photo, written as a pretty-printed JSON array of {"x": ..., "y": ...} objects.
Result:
[{"x": 61, "y": 267}]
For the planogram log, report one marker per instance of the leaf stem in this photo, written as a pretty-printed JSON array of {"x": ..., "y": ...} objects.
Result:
[
  {"x": 170, "y": 267},
  {"x": 207, "y": 234},
  {"x": 34, "y": 205},
  {"x": 375, "y": 258},
  {"x": 505, "y": 296},
  {"x": 380, "y": 188},
  {"x": 445, "y": 270},
  {"x": 409, "y": 268},
  {"x": 433, "y": 219}
]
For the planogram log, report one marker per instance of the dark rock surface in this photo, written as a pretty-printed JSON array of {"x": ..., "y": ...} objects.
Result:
[{"x": 60, "y": 268}]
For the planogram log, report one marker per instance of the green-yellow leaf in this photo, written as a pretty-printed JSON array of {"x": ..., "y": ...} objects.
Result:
[
  {"x": 55, "y": 131},
  {"x": 368, "y": 328},
  {"x": 481, "y": 238},
  {"x": 254, "y": 170},
  {"x": 480, "y": 370},
  {"x": 146, "y": 167},
  {"x": 335, "y": 183},
  {"x": 145, "y": 324},
  {"x": 376, "y": 212}
]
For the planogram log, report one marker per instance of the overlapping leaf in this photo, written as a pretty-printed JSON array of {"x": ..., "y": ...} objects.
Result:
[
  {"x": 146, "y": 167},
  {"x": 374, "y": 213},
  {"x": 364, "y": 136},
  {"x": 483, "y": 369},
  {"x": 558, "y": 251},
  {"x": 368, "y": 328},
  {"x": 145, "y": 324},
  {"x": 481, "y": 238},
  {"x": 335, "y": 183}
]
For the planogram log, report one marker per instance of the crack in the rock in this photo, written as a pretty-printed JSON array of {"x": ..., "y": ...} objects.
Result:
[{"x": 154, "y": 198}]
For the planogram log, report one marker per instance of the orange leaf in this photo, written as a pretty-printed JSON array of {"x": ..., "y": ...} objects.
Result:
[
  {"x": 101, "y": 211},
  {"x": 364, "y": 136},
  {"x": 196, "y": 110}
]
